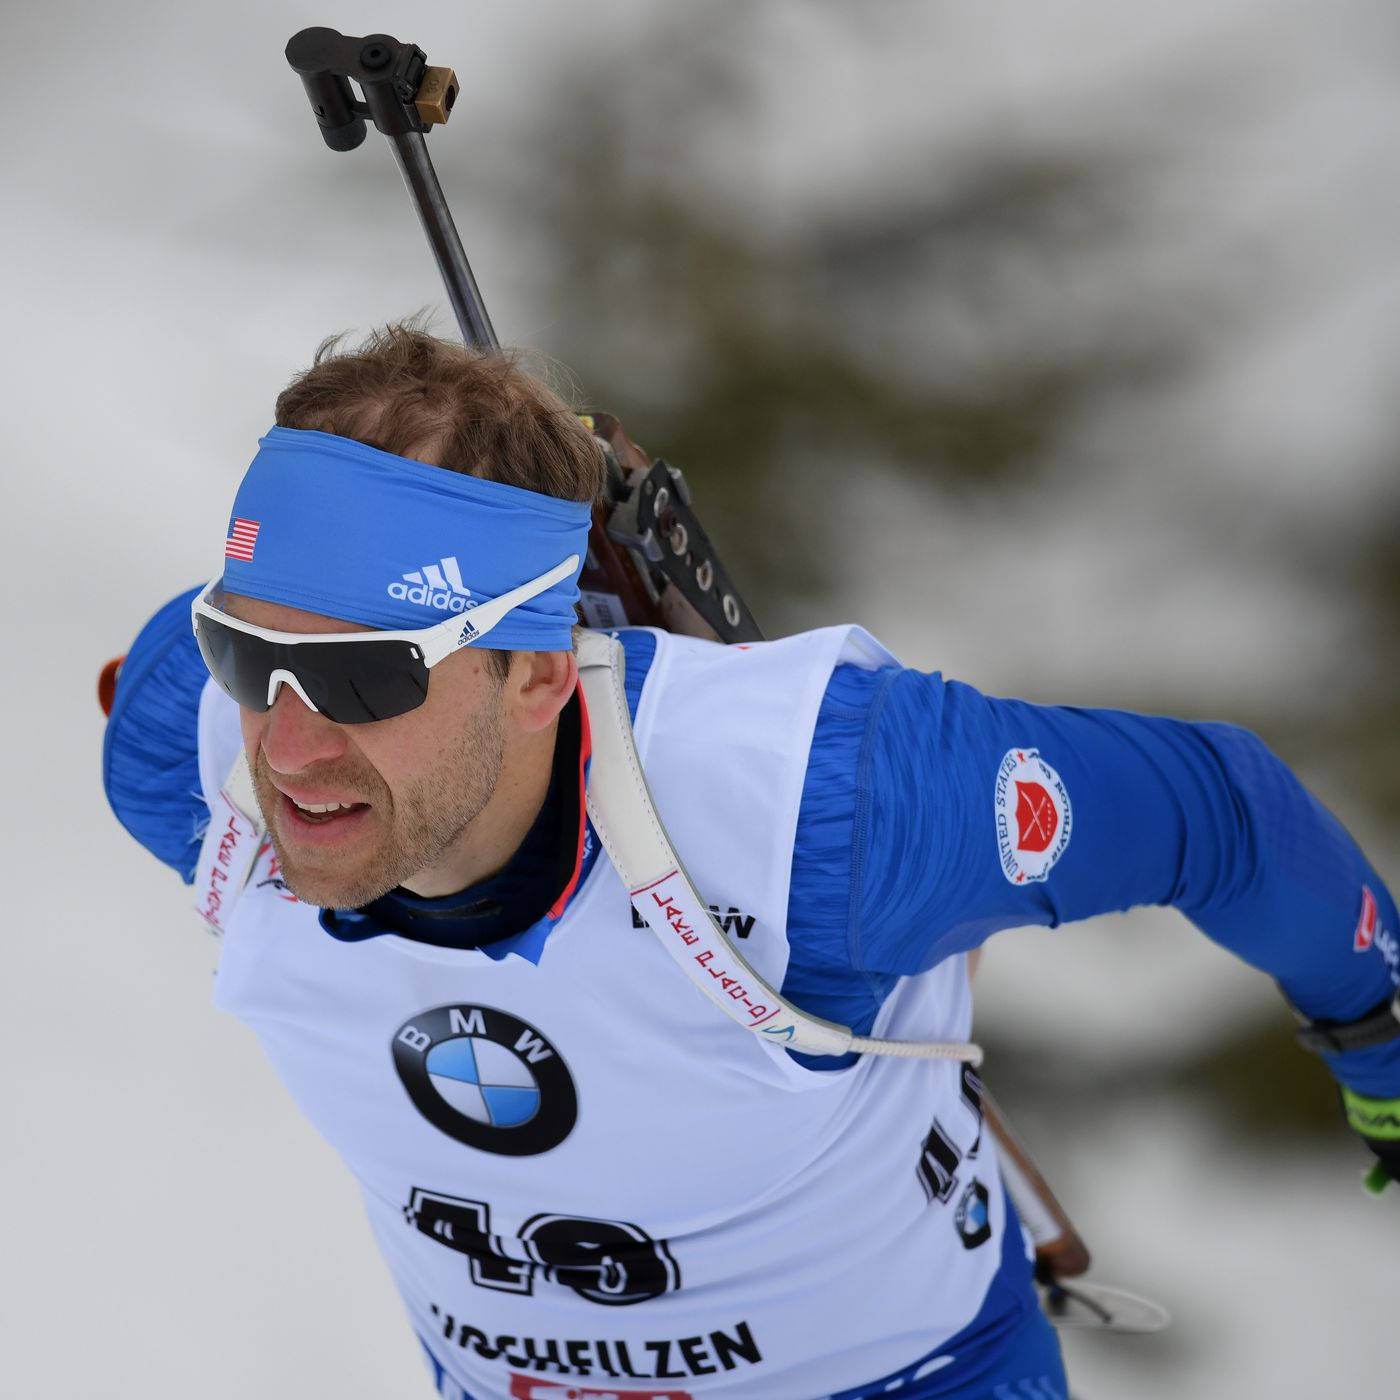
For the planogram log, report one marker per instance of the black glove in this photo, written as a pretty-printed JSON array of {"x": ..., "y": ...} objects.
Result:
[{"x": 1377, "y": 1123}]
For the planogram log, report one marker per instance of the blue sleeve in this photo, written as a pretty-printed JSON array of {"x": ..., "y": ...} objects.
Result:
[
  {"x": 150, "y": 754},
  {"x": 971, "y": 814},
  {"x": 823, "y": 977}
]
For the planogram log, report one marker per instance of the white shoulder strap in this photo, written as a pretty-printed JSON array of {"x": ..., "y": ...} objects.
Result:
[
  {"x": 231, "y": 844},
  {"x": 625, "y": 818}
]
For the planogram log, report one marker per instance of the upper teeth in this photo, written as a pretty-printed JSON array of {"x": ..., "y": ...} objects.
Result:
[{"x": 323, "y": 806}]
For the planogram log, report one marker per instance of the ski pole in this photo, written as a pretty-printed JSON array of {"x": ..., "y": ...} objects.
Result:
[{"x": 403, "y": 96}]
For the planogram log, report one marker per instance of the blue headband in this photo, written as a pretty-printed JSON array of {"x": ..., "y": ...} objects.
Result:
[{"x": 332, "y": 526}]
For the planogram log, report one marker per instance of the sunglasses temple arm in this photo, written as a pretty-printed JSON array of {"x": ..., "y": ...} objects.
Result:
[{"x": 479, "y": 621}]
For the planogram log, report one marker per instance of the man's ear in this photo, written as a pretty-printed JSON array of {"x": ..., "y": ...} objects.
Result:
[{"x": 539, "y": 686}]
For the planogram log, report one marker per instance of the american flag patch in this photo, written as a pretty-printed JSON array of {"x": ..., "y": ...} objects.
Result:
[{"x": 241, "y": 538}]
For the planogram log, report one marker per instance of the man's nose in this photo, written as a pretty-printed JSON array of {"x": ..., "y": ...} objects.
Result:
[{"x": 295, "y": 736}]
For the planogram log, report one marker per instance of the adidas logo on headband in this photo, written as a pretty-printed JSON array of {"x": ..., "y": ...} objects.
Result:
[{"x": 437, "y": 586}]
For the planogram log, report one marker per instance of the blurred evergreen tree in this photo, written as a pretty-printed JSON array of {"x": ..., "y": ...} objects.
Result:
[
  {"x": 958, "y": 320},
  {"x": 943, "y": 328}
]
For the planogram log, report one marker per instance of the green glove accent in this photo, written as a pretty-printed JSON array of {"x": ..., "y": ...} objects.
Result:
[
  {"x": 1376, "y": 1119},
  {"x": 1377, "y": 1179}
]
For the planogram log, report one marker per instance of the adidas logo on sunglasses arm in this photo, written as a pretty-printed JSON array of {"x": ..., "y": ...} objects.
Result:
[{"x": 437, "y": 586}]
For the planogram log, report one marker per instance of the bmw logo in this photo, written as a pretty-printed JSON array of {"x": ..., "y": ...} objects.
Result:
[
  {"x": 486, "y": 1079},
  {"x": 973, "y": 1216}
]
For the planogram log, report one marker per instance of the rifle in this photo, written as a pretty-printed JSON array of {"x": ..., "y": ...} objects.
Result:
[{"x": 650, "y": 561}]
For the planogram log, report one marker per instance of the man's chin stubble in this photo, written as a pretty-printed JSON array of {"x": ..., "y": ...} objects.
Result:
[
  {"x": 425, "y": 821},
  {"x": 331, "y": 887},
  {"x": 380, "y": 870}
]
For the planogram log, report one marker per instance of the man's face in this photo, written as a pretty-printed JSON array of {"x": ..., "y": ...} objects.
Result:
[{"x": 413, "y": 784}]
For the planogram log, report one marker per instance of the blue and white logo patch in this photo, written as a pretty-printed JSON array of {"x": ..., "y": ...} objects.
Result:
[
  {"x": 438, "y": 586},
  {"x": 973, "y": 1216},
  {"x": 486, "y": 1079},
  {"x": 488, "y": 1082}
]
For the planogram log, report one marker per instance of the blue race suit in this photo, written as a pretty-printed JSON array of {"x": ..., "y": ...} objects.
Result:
[{"x": 896, "y": 866}]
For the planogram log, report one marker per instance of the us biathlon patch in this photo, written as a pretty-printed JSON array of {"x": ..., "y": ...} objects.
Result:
[{"x": 1032, "y": 816}]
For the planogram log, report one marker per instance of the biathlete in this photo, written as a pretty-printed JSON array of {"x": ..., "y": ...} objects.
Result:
[{"x": 586, "y": 1180}]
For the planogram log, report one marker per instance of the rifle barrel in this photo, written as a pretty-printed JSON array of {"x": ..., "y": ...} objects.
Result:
[{"x": 421, "y": 181}]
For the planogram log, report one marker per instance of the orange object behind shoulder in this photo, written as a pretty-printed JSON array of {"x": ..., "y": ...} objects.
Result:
[{"x": 107, "y": 683}]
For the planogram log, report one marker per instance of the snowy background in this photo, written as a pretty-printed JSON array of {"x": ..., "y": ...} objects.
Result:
[{"x": 1057, "y": 344}]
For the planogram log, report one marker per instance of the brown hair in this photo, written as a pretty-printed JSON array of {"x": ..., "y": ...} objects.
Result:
[{"x": 407, "y": 392}]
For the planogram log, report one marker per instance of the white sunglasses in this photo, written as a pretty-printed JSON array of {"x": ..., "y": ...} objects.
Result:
[{"x": 350, "y": 677}]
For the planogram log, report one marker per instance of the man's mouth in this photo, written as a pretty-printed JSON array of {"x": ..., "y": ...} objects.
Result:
[
  {"x": 328, "y": 820},
  {"x": 317, "y": 811}
]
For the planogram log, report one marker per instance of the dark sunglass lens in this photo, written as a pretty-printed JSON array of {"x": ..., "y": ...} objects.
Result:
[
  {"x": 238, "y": 662},
  {"x": 373, "y": 680},
  {"x": 348, "y": 682}
]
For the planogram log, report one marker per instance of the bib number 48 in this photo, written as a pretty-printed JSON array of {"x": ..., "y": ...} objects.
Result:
[{"x": 605, "y": 1261}]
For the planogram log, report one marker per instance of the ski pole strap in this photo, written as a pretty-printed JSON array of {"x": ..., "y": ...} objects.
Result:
[{"x": 1377, "y": 1026}]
